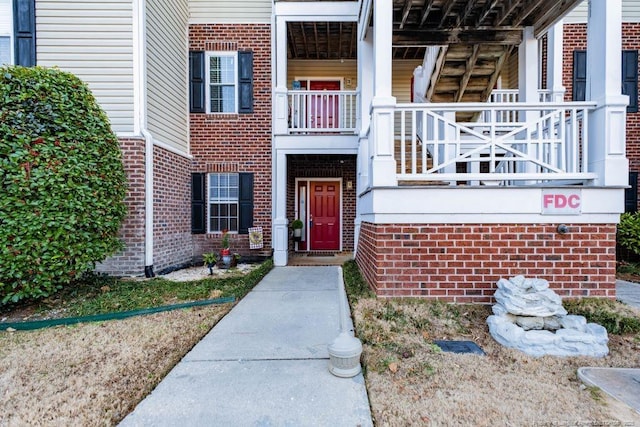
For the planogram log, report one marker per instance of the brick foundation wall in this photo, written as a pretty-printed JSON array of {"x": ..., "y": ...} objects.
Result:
[
  {"x": 326, "y": 166},
  {"x": 237, "y": 142},
  {"x": 130, "y": 261},
  {"x": 575, "y": 38},
  {"x": 172, "y": 239},
  {"x": 462, "y": 263}
]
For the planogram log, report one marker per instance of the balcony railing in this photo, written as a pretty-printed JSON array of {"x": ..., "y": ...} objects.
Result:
[
  {"x": 538, "y": 143},
  {"x": 322, "y": 111}
]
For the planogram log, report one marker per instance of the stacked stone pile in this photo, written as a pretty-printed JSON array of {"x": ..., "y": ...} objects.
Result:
[{"x": 529, "y": 316}]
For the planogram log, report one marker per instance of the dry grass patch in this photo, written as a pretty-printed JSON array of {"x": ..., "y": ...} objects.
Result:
[
  {"x": 93, "y": 374},
  {"x": 410, "y": 381}
]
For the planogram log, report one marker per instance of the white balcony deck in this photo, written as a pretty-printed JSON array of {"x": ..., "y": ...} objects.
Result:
[
  {"x": 322, "y": 111},
  {"x": 512, "y": 144}
]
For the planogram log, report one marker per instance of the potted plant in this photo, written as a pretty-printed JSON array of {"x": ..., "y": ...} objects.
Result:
[
  {"x": 210, "y": 259},
  {"x": 296, "y": 225},
  {"x": 225, "y": 252}
]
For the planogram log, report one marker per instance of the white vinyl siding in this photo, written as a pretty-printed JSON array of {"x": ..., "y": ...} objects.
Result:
[
  {"x": 324, "y": 69},
  {"x": 92, "y": 39},
  {"x": 230, "y": 11},
  {"x": 630, "y": 12},
  {"x": 6, "y": 32},
  {"x": 167, "y": 85},
  {"x": 401, "y": 80}
]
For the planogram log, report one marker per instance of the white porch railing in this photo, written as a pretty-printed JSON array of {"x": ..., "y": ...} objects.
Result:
[
  {"x": 322, "y": 111},
  {"x": 540, "y": 143}
]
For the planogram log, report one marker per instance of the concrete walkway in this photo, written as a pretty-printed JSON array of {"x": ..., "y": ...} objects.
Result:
[
  {"x": 622, "y": 384},
  {"x": 265, "y": 363},
  {"x": 628, "y": 293}
]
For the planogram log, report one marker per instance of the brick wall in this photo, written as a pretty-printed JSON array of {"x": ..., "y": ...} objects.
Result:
[
  {"x": 326, "y": 166},
  {"x": 462, "y": 263},
  {"x": 575, "y": 38},
  {"x": 237, "y": 142},
  {"x": 173, "y": 242},
  {"x": 130, "y": 261}
]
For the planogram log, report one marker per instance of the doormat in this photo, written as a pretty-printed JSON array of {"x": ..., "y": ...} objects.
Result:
[
  {"x": 460, "y": 347},
  {"x": 320, "y": 254}
]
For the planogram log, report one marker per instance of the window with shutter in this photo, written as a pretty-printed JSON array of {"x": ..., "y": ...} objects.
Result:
[
  {"x": 198, "y": 200},
  {"x": 630, "y": 78},
  {"x": 221, "y": 82},
  {"x": 579, "y": 75},
  {"x": 196, "y": 82},
  {"x": 24, "y": 27},
  {"x": 230, "y": 202}
]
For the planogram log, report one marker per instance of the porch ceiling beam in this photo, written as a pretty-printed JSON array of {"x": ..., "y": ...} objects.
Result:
[
  {"x": 329, "y": 41},
  {"x": 506, "y": 11},
  {"x": 315, "y": 35},
  {"x": 445, "y": 12},
  {"x": 354, "y": 32},
  {"x": 304, "y": 40},
  {"x": 465, "y": 13},
  {"x": 292, "y": 42},
  {"x": 488, "y": 7},
  {"x": 464, "y": 81},
  {"x": 526, "y": 11},
  {"x": 437, "y": 71},
  {"x": 428, "y": 5},
  {"x": 405, "y": 12},
  {"x": 549, "y": 14},
  {"x": 430, "y": 37},
  {"x": 340, "y": 42},
  {"x": 543, "y": 23}
]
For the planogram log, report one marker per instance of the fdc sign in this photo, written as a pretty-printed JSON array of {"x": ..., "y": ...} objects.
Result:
[{"x": 561, "y": 202}]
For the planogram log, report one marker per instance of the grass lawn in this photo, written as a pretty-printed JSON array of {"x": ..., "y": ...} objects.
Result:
[{"x": 96, "y": 373}]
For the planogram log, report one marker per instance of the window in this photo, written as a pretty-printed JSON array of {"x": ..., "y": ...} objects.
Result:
[
  {"x": 6, "y": 32},
  {"x": 629, "y": 77},
  {"x": 221, "y": 82},
  {"x": 229, "y": 200},
  {"x": 222, "y": 73},
  {"x": 223, "y": 202}
]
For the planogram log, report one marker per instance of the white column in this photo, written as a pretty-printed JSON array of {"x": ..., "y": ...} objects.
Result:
[
  {"x": 383, "y": 165},
  {"x": 606, "y": 126},
  {"x": 528, "y": 87},
  {"x": 280, "y": 101},
  {"x": 555, "y": 41},
  {"x": 365, "y": 86},
  {"x": 528, "y": 67},
  {"x": 280, "y": 221}
]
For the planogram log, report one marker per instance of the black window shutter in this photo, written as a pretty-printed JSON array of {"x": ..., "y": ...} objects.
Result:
[
  {"x": 579, "y": 75},
  {"x": 245, "y": 82},
  {"x": 630, "y": 78},
  {"x": 198, "y": 202},
  {"x": 24, "y": 25},
  {"x": 245, "y": 203},
  {"x": 196, "y": 82},
  {"x": 631, "y": 193}
]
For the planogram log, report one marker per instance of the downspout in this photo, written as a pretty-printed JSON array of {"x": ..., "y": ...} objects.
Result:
[{"x": 140, "y": 58}]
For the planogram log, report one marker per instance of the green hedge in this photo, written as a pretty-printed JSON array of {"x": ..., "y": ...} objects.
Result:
[
  {"x": 628, "y": 232},
  {"x": 63, "y": 182}
]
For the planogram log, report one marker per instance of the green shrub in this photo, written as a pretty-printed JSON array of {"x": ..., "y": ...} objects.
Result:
[
  {"x": 614, "y": 316},
  {"x": 628, "y": 233},
  {"x": 62, "y": 185},
  {"x": 355, "y": 285}
]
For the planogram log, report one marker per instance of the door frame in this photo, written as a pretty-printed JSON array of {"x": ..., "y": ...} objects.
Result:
[{"x": 304, "y": 216}]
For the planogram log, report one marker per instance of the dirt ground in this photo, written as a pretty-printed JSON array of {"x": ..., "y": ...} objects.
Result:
[
  {"x": 95, "y": 373},
  {"x": 411, "y": 382}
]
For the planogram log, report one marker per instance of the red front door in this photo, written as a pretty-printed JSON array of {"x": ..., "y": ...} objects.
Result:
[
  {"x": 324, "y": 108},
  {"x": 324, "y": 216}
]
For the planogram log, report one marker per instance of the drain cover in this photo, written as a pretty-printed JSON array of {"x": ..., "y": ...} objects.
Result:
[{"x": 460, "y": 347}]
